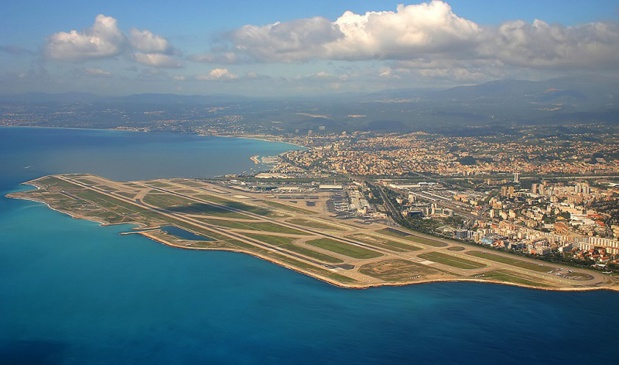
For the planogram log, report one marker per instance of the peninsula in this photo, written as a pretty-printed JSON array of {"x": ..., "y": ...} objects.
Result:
[{"x": 299, "y": 234}]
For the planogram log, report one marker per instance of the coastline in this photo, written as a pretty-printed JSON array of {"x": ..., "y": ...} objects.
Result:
[
  {"x": 262, "y": 138},
  {"x": 369, "y": 286},
  {"x": 360, "y": 286},
  {"x": 72, "y": 128},
  {"x": 72, "y": 215}
]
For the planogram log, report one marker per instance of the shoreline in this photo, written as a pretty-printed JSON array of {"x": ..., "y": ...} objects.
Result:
[
  {"x": 377, "y": 285},
  {"x": 324, "y": 279},
  {"x": 262, "y": 138},
  {"x": 73, "y": 128}
]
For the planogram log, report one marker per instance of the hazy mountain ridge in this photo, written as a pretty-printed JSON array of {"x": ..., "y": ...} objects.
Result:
[
  {"x": 498, "y": 103},
  {"x": 582, "y": 89}
]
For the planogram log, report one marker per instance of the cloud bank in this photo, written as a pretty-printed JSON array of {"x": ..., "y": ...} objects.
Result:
[
  {"x": 423, "y": 32},
  {"x": 425, "y": 41},
  {"x": 102, "y": 40},
  {"x": 541, "y": 45},
  {"x": 105, "y": 40},
  {"x": 145, "y": 41},
  {"x": 217, "y": 74}
]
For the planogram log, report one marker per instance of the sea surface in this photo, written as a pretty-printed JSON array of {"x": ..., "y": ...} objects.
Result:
[{"x": 72, "y": 292}]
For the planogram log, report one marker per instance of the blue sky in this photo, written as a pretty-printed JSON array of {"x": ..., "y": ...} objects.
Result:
[{"x": 298, "y": 47}]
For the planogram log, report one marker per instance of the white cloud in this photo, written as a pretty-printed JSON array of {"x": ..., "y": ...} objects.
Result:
[
  {"x": 465, "y": 70},
  {"x": 145, "y": 41},
  {"x": 102, "y": 40},
  {"x": 152, "y": 50},
  {"x": 423, "y": 34},
  {"x": 411, "y": 30},
  {"x": 291, "y": 41},
  {"x": 386, "y": 73},
  {"x": 97, "y": 72},
  {"x": 541, "y": 45},
  {"x": 426, "y": 41},
  {"x": 322, "y": 76},
  {"x": 217, "y": 74},
  {"x": 157, "y": 60}
]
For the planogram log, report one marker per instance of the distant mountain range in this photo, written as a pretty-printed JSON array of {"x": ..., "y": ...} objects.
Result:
[
  {"x": 591, "y": 90},
  {"x": 498, "y": 103},
  {"x": 560, "y": 90},
  {"x": 147, "y": 98}
]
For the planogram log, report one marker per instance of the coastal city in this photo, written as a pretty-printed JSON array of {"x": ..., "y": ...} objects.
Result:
[{"x": 540, "y": 197}]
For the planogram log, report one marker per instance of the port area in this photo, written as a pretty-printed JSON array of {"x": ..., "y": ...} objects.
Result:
[{"x": 303, "y": 234}]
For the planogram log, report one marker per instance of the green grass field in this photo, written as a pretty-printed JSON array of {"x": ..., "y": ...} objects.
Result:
[
  {"x": 296, "y": 263},
  {"x": 450, "y": 260},
  {"x": 344, "y": 248},
  {"x": 426, "y": 241},
  {"x": 254, "y": 226},
  {"x": 214, "y": 199},
  {"x": 397, "y": 270},
  {"x": 383, "y": 243},
  {"x": 313, "y": 224},
  {"x": 288, "y": 207},
  {"x": 407, "y": 236},
  {"x": 312, "y": 254},
  {"x": 510, "y": 261},
  {"x": 287, "y": 243},
  {"x": 129, "y": 195},
  {"x": 159, "y": 184},
  {"x": 272, "y": 240},
  {"x": 237, "y": 205},
  {"x": 512, "y": 277},
  {"x": 186, "y": 206}
]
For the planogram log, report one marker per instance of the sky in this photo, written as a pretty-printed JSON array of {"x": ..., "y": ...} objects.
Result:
[{"x": 301, "y": 47}]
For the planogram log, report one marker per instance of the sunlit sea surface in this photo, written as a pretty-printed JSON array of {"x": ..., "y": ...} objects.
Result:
[{"x": 72, "y": 292}]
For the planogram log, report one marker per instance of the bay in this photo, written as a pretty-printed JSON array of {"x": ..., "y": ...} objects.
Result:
[{"x": 72, "y": 292}]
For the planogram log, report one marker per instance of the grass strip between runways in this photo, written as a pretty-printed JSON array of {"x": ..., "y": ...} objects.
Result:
[
  {"x": 409, "y": 237},
  {"x": 345, "y": 249},
  {"x": 450, "y": 260},
  {"x": 511, "y": 277},
  {"x": 383, "y": 243},
  {"x": 255, "y": 226},
  {"x": 296, "y": 264},
  {"x": 510, "y": 261},
  {"x": 288, "y": 207},
  {"x": 286, "y": 243},
  {"x": 314, "y": 224}
]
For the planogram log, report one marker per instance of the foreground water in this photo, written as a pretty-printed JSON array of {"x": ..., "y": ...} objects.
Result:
[{"x": 72, "y": 292}]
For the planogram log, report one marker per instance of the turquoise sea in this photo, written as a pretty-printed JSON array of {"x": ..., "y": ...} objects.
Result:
[{"x": 72, "y": 292}]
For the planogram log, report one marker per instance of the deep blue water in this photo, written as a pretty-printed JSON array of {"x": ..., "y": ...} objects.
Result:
[{"x": 72, "y": 292}]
